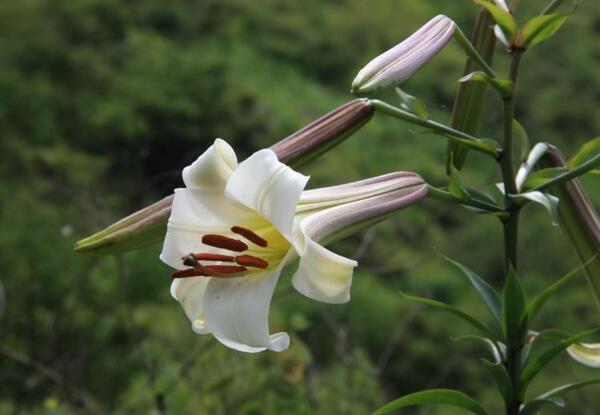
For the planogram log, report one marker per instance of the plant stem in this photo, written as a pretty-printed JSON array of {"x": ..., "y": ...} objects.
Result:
[
  {"x": 474, "y": 142},
  {"x": 440, "y": 194},
  {"x": 511, "y": 223}
]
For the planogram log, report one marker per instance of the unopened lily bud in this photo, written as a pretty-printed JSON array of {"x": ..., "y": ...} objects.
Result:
[
  {"x": 579, "y": 219},
  {"x": 403, "y": 60},
  {"x": 324, "y": 133},
  {"x": 148, "y": 226}
]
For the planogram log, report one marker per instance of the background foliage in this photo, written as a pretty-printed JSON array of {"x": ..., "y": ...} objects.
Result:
[{"x": 102, "y": 102}]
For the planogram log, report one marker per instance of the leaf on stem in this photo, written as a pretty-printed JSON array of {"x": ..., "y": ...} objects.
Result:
[
  {"x": 540, "y": 28},
  {"x": 503, "y": 86},
  {"x": 588, "y": 151},
  {"x": 498, "y": 349},
  {"x": 481, "y": 327},
  {"x": 547, "y": 200},
  {"x": 413, "y": 104},
  {"x": 504, "y": 19},
  {"x": 524, "y": 144},
  {"x": 514, "y": 315},
  {"x": 434, "y": 396},
  {"x": 502, "y": 379},
  {"x": 490, "y": 296},
  {"x": 554, "y": 396},
  {"x": 536, "y": 365},
  {"x": 534, "y": 307}
]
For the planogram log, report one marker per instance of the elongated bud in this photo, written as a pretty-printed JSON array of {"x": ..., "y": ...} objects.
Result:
[
  {"x": 579, "y": 219},
  {"x": 148, "y": 226},
  {"x": 403, "y": 60},
  {"x": 324, "y": 133}
]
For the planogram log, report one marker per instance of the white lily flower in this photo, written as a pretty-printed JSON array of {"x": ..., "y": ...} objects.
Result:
[
  {"x": 403, "y": 60},
  {"x": 234, "y": 227}
]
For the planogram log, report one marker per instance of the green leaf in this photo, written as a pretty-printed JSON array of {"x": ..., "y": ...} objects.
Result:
[
  {"x": 540, "y": 28},
  {"x": 553, "y": 396},
  {"x": 587, "y": 152},
  {"x": 542, "y": 176},
  {"x": 434, "y": 396},
  {"x": 535, "y": 366},
  {"x": 524, "y": 144},
  {"x": 452, "y": 310},
  {"x": 534, "y": 307},
  {"x": 456, "y": 187},
  {"x": 481, "y": 196},
  {"x": 413, "y": 104},
  {"x": 498, "y": 350},
  {"x": 490, "y": 296},
  {"x": 503, "y": 18},
  {"x": 502, "y": 379},
  {"x": 514, "y": 316},
  {"x": 503, "y": 86}
]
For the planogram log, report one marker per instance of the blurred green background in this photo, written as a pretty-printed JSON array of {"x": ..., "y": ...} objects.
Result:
[{"x": 102, "y": 102}]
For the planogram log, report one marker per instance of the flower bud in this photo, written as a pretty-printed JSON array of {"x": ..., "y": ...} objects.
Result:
[
  {"x": 579, "y": 219},
  {"x": 403, "y": 60},
  {"x": 148, "y": 225}
]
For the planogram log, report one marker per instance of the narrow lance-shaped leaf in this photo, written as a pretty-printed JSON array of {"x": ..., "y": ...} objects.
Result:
[
  {"x": 478, "y": 325},
  {"x": 489, "y": 295},
  {"x": 553, "y": 397},
  {"x": 434, "y": 396},
  {"x": 534, "y": 307},
  {"x": 413, "y": 104},
  {"x": 536, "y": 365},
  {"x": 540, "y": 28},
  {"x": 514, "y": 317},
  {"x": 502, "y": 17}
]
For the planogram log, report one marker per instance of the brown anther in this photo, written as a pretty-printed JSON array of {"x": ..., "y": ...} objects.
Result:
[
  {"x": 189, "y": 272},
  {"x": 251, "y": 261},
  {"x": 224, "y": 270},
  {"x": 213, "y": 257},
  {"x": 220, "y": 241},
  {"x": 191, "y": 261},
  {"x": 250, "y": 235}
]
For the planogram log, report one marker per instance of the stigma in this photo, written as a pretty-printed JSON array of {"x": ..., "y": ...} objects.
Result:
[{"x": 235, "y": 265}]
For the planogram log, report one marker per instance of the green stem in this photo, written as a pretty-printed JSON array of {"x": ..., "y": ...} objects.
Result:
[
  {"x": 580, "y": 170},
  {"x": 472, "y": 52},
  {"x": 439, "y": 194},
  {"x": 474, "y": 142},
  {"x": 511, "y": 223}
]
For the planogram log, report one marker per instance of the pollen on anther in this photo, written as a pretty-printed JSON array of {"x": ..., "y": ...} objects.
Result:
[
  {"x": 251, "y": 261},
  {"x": 250, "y": 235},
  {"x": 220, "y": 241}
]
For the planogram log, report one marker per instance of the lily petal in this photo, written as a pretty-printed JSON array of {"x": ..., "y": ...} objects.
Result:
[
  {"x": 190, "y": 293},
  {"x": 195, "y": 212},
  {"x": 586, "y": 353},
  {"x": 237, "y": 312},
  {"x": 269, "y": 187},
  {"x": 534, "y": 156},
  {"x": 212, "y": 169},
  {"x": 323, "y": 275}
]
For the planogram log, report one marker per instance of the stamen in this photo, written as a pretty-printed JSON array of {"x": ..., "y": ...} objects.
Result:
[
  {"x": 251, "y": 261},
  {"x": 224, "y": 270},
  {"x": 191, "y": 261},
  {"x": 250, "y": 235},
  {"x": 189, "y": 272},
  {"x": 220, "y": 241},
  {"x": 214, "y": 257}
]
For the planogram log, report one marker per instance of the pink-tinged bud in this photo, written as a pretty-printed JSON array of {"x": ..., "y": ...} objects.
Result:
[
  {"x": 324, "y": 133},
  {"x": 148, "y": 226},
  {"x": 403, "y": 60},
  {"x": 579, "y": 219}
]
